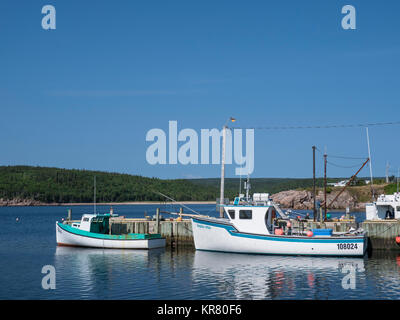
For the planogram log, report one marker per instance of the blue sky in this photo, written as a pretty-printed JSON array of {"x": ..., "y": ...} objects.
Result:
[{"x": 85, "y": 95}]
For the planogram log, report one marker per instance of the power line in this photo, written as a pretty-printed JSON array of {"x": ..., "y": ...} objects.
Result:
[{"x": 322, "y": 127}]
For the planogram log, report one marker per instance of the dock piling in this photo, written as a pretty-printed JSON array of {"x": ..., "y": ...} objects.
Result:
[{"x": 158, "y": 220}]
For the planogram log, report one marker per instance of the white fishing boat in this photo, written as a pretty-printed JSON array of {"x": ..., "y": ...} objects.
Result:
[
  {"x": 250, "y": 228},
  {"x": 93, "y": 231},
  {"x": 386, "y": 207}
]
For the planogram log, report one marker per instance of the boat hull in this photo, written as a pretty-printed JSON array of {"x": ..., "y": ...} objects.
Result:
[
  {"x": 67, "y": 236},
  {"x": 214, "y": 235}
]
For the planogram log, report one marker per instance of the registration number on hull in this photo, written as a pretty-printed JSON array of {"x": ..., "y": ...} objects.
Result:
[{"x": 347, "y": 246}]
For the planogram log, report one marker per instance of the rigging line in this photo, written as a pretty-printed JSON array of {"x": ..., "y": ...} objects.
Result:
[
  {"x": 181, "y": 204},
  {"x": 322, "y": 126},
  {"x": 340, "y": 157},
  {"x": 340, "y": 166},
  {"x": 343, "y": 157}
]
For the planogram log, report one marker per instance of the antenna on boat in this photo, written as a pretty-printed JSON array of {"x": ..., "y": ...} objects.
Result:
[
  {"x": 240, "y": 180},
  {"x": 370, "y": 166},
  {"x": 247, "y": 186},
  {"x": 94, "y": 195}
]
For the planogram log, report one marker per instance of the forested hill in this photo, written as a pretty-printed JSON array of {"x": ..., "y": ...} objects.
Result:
[{"x": 54, "y": 185}]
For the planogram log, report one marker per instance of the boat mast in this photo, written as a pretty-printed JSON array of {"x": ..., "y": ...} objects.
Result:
[
  {"x": 325, "y": 200},
  {"x": 221, "y": 196},
  {"x": 94, "y": 195},
  {"x": 314, "y": 208},
  {"x": 370, "y": 166}
]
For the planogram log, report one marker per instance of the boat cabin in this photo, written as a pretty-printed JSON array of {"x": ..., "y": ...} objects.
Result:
[
  {"x": 97, "y": 223},
  {"x": 385, "y": 207},
  {"x": 253, "y": 215}
]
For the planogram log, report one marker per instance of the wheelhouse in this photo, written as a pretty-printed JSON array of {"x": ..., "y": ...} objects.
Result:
[{"x": 98, "y": 223}]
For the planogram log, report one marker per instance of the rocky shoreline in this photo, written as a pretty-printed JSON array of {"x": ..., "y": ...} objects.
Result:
[
  {"x": 24, "y": 203},
  {"x": 302, "y": 200}
]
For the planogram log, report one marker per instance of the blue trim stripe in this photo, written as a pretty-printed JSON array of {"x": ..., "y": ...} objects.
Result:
[{"x": 233, "y": 232}]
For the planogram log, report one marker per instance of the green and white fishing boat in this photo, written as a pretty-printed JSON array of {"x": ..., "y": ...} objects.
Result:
[{"x": 93, "y": 231}]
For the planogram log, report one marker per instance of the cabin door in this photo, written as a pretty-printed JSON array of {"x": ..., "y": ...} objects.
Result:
[{"x": 269, "y": 218}]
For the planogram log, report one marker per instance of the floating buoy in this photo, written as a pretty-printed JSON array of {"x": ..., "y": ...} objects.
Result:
[
  {"x": 298, "y": 217},
  {"x": 179, "y": 219},
  {"x": 398, "y": 239},
  {"x": 17, "y": 219},
  {"x": 278, "y": 232},
  {"x": 289, "y": 224},
  {"x": 309, "y": 234}
]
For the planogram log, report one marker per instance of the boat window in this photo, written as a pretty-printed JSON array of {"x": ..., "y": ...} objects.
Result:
[
  {"x": 398, "y": 209},
  {"x": 85, "y": 219},
  {"x": 231, "y": 214},
  {"x": 245, "y": 214}
]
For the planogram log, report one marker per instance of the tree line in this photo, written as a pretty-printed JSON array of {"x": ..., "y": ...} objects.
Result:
[{"x": 55, "y": 185}]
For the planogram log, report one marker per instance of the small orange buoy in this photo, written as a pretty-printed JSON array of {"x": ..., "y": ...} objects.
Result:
[
  {"x": 398, "y": 239},
  {"x": 179, "y": 219},
  {"x": 309, "y": 234},
  {"x": 278, "y": 232}
]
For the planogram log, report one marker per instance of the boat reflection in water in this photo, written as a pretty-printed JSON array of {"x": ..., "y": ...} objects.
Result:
[
  {"x": 193, "y": 274},
  {"x": 245, "y": 276},
  {"x": 105, "y": 273}
]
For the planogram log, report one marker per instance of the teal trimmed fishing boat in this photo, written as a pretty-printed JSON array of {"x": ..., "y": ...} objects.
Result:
[{"x": 93, "y": 231}]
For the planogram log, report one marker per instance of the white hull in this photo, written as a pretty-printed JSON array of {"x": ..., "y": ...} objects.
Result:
[
  {"x": 67, "y": 238},
  {"x": 217, "y": 235}
]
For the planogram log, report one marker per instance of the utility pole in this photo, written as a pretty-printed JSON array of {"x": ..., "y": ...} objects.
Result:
[
  {"x": 325, "y": 156},
  {"x": 315, "y": 209}
]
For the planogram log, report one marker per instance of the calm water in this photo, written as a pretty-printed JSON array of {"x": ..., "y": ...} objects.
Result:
[{"x": 28, "y": 245}]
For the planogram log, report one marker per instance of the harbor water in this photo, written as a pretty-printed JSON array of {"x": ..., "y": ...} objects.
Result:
[{"x": 28, "y": 244}]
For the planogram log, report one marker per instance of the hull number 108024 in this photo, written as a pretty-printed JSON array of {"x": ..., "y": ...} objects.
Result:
[{"x": 347, "y": 246}]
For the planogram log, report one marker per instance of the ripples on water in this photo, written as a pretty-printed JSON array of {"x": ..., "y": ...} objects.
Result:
[{"x": 181, "y": 274}]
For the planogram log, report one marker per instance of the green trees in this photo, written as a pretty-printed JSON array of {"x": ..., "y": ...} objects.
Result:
[
  {"x": 61, "y": 185},
  {"x": 51, "y": 185}
]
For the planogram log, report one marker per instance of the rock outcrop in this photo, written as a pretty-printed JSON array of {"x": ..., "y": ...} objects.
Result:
[
  {"x": 302, "y": 200},
  {"x": 21, "y": 202}
]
